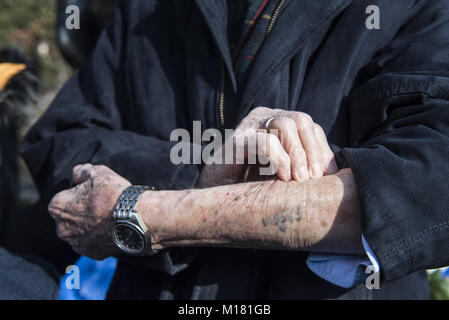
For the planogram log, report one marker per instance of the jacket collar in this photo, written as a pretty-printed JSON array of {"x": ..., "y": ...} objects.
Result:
[
  {"x": 215, "y": 14},
  {"x": 298, "y": 22}
]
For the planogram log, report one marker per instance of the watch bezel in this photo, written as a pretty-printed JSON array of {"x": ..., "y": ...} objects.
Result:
[{"x": 136, "y": 229}]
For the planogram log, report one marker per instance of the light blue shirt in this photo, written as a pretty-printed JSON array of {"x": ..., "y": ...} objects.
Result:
[{"x": 344, "y": 270}]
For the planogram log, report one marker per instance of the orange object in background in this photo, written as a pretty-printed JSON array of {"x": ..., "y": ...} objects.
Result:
[{"x": 7, "y": 71}]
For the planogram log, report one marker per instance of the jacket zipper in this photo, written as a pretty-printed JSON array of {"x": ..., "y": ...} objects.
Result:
[
  {"x": 221, "y": 99},
  {"x": 274, "y": 16}
]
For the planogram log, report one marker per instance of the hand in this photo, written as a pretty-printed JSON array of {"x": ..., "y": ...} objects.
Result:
[
  {"x": 83, "y": 214},
  {"x": 293, "y": 143}
]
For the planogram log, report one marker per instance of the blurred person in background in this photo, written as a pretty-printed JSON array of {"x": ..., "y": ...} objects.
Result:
[
  {"x": 21, "y": 277},
  {"x": 18, "y": 96},
  {"x": 18, "y": 108}
]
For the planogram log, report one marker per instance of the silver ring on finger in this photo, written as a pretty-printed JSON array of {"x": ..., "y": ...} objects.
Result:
[{"x": 266, "y": 123}]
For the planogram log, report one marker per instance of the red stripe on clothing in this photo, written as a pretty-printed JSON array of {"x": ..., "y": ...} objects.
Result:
[{"x": 248, "y": 31}]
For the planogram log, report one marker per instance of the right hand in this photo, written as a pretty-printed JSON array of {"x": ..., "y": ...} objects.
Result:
[{"x": 294, "y": 145}]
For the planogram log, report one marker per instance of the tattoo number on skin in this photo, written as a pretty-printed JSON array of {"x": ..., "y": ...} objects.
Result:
[{"x": 282, "y": 219}]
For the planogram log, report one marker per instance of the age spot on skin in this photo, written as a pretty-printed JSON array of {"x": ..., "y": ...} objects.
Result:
[
  {"x": 298, "y": 215},
  {"x": 264, "y": 222}
]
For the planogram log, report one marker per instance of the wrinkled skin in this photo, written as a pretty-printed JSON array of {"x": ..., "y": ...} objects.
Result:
[
  {"x": 293, "y": 143},
  {"x": 83, "y": 214}
]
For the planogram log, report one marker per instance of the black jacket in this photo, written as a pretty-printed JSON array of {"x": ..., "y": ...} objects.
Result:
[{"x": 380, "y": 95}]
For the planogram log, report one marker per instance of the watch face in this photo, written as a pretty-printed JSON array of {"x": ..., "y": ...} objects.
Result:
[{"x": 128, "y": 238}]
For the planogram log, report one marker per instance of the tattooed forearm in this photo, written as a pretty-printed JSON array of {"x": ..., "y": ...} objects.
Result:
[
  {"x": 322, "y": 214},
  {"x": 283, "y": 219}
]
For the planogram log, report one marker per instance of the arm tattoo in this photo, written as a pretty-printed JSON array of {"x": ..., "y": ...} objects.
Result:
[{"x": 282, "y": 219}]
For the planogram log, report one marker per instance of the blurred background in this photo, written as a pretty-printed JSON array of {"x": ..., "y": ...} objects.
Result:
[
  {"x": 30, "y": 29},
  {"x": 33, "y": 33},
  {"x": 38, "y": 54}
]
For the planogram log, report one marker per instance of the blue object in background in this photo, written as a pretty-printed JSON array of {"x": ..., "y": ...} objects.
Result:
[
  {"x": 446, "y": 273},
  {"x": 95, "y": 279}
]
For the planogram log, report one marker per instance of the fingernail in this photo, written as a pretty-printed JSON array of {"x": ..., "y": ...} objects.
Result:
[
  {"x": 317, "y": 170},
  {"x": 304, "y": 175}
]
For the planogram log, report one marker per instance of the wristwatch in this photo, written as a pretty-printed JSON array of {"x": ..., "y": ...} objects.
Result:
[{"x": 129, "y": 232}]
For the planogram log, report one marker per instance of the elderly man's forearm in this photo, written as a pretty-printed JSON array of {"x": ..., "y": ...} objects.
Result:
[{"x": 320, "y": 215}]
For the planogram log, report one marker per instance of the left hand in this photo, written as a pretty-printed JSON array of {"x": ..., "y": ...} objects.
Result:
[
  {"x": 292, "y": 139},
  {"x": 83, "y": 214}
]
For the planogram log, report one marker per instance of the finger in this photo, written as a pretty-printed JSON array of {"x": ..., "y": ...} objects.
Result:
[
  {"x": 64, "y": 231},
  {"x": 255, "y": 117},
  {"x": 329, "y": 163},
  {"x": 286, "y": 130},
  {"x": 70, "y": 201},
  {"x": 61, "y": 200},
  {"x": 82, "y": 173},
  {"x": 309, "y": 141},
  {"x": 268, "y": 146}
]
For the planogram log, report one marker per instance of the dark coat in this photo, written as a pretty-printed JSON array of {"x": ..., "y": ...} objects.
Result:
[
  {"x": 380, "y": 95},
  {"x": 26, "y": 278}
]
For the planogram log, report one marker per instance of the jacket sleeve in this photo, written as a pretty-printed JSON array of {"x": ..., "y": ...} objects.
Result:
[
  {"x": 84, "y": 125},
  {"x": 399, "y": 151}
]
